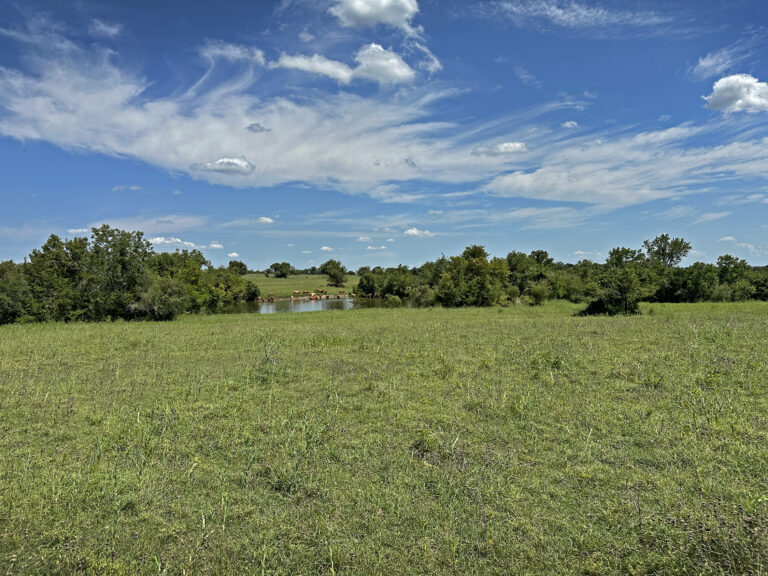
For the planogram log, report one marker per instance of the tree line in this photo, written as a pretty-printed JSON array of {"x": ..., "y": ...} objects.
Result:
[
  {"x": 627, "y": 277},
  {"x": 114, "y": 274}
]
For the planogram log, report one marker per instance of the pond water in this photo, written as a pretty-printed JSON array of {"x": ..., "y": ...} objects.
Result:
[{"x": 281, "y": 306}]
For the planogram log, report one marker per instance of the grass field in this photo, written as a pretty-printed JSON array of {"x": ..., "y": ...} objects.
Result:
[
  {"x": 284, "y": 287},
  {"x": 423, "y": 441}
]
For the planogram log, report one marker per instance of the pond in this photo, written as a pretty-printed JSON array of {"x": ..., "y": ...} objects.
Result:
[{"x": 280, "y": 306}]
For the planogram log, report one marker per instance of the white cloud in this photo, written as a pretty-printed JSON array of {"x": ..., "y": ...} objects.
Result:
[
  {"x": 78, "y": 230},
  {"x": 570, "y": 124},
  {"x": 326, "y": 249},
  {"x": 373, "y": 63},
  {"x": 376, "y": 248},
  {"x": 526, "y": 77},
  {"x": 101, "y": 29},
  {"x": 265, "y": 220},
  {"x": 711, "y": 217},
  {"x": 751, "y": 248},
  {"x": 676, "y": 212},
  {"x": 316, "y": 64},
  {"x": 233, "y": 255},
  {"x": 416, "y": 233},
  {"x": 363, "y": 238},
  {"x": 720, "y": 61},
  {"x": 306, "y": 36},
  {"x": 217, "y": 50},
  {"x": 125, "y": 187},
  {"x": 738, "y": 93},
  {"x": 382, "y": 66},
  {"x": 366, "y": 13},
  {"x": 176, "y": 192},
  {"x": 571, "y": 14},
  {"x": 306, "y": 251},
  {"x": 500, "y": 149},
  {"x": 216, "y": 246},
  {"x": 171, "y": 241},
  {"x": 390, "y": 240},
  {"x": 226, "y": 165}
]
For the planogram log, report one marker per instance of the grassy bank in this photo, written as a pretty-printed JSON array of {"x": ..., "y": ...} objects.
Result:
[
  {"x": 497, "y": 441},
  {"x": 284, "y": 287}
]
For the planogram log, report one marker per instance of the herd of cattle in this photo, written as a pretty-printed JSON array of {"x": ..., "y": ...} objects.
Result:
[{"x": 316, "y": 295}]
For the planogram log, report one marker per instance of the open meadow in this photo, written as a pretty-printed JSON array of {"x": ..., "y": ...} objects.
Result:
[
  {"x": 284, "y": 287},
  {"x": 519, "y": 440}
]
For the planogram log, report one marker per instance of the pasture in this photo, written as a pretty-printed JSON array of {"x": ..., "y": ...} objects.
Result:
[
  {"x": 514, "y": 440},
  {"x": 285, "y": 287}
]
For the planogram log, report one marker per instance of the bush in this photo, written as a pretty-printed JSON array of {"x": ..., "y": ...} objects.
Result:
[
  {"x": 742, "y": 290},
  {"x": 721, "y": 293},
  {"x": 392, "y": 301},
  {"x": 424, "y": 296},
  {"x": 538, "y": 293},
  {"x": 162, "y": 300},
  {"x": 513, "y": 292}
]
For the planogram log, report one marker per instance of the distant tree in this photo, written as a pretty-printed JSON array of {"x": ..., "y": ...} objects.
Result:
[
  {"x": 238, "y": 267},
  {"x": 335, "y": 272},
  {"x": 621, "y": 255},
  {"x": 665, "y": 251},
  {"x": 281, "y": 269},
  {"x": 731, "y": 269},
  {"x": 14, "y": 292}
]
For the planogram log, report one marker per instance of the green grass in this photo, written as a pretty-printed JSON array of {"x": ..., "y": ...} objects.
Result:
[
  {"x": 422, "y": 441},
  {"x": 284, "y": 287}
]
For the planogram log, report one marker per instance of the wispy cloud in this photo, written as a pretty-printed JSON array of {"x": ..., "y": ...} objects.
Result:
[
  {"x": 526, "y": 77},
  {"x": 572, "y": 15},
  {"x": 76, "y": 231},
  {"x": 711, "y": 217},
  {"x": 101, "y": 29},
  {"x": 723, "y": 60}
]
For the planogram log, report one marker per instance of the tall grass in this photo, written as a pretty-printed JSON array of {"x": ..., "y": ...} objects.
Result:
[{"x": 411, "y": 441}]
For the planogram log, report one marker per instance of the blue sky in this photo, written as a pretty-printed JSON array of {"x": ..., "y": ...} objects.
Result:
[{"x": 386, "y": 131}]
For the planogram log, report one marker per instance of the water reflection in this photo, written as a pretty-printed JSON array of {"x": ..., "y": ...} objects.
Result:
[{"x": 281, "y": 306}]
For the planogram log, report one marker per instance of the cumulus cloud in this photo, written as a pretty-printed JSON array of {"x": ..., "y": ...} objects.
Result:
[
  {"x": 367, "y": 13},
  {"x": 373, "y": 63},
  {"x": 416, "y": 233},
  {"x": 570, "y": 124},
  {"x": 363, "y": 238},
  {"x": 382, "y": 66},
  {"x": 226, "y": 165},
  {"x": 233, "y": 255},
  {"x": 306, "y": 36},
  {"x": 216, "y": 246},
  {"x": 751, "y": 248},
  {"x": 265, "y": 220},
  {"x": 171, "y": 241},
  {"x": 376, "y": 248},
  {"x": 326, "y": 249},
  {"x": 738, "y": 93},
  {"x": 500, "y": 149},
  {"x": 101, "y": 29}
]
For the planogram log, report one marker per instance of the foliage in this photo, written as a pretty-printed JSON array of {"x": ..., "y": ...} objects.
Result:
[
  {"x": 280, "y": 269},
  {"x": 335, "y": 272},
  {"x": 238, "y": 267}
]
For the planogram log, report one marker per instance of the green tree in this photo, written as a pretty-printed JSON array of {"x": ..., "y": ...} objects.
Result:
[
  {"x": 666, "y": 251},
  {"x": 238, "y": 267},
  {"x": 335, "y": 272}
]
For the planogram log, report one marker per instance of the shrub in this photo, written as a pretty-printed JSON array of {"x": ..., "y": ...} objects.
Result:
[
  {"x": 538, "y": 293},
  {"x": 392, "y": 301}
]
